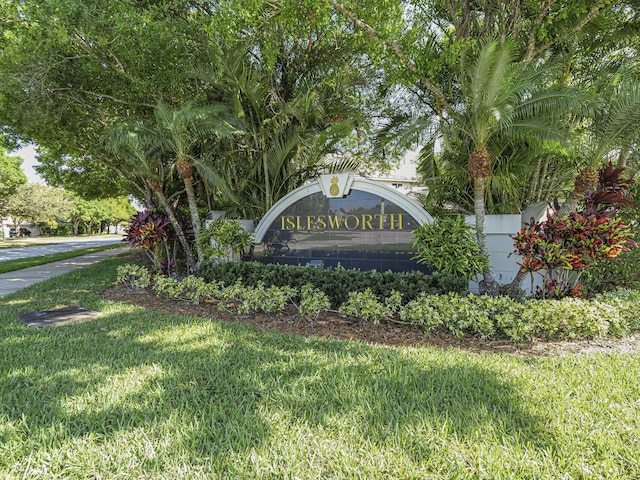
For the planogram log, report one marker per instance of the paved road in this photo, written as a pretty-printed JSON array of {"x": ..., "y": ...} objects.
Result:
[{"x": 61, "y": 245}]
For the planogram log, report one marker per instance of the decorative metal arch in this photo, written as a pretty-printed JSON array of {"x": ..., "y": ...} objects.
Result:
[{"x": 359, "y": 183}]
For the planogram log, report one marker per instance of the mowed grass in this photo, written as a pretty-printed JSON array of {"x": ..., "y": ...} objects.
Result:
[
  {"x": 20, "y": 263},
  {"x": 142, "y": 394}
]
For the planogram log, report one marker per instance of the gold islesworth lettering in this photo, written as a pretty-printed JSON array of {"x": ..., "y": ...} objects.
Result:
[{"x": 364, "y": 221}]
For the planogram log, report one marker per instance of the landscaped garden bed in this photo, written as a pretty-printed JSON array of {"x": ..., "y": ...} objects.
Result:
[
  {"x": 356, "y": 309},
  {"x": 332, "y": 325}
]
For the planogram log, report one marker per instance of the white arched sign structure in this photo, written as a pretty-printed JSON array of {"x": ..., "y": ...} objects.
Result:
[{"x": 341, "y": 219}]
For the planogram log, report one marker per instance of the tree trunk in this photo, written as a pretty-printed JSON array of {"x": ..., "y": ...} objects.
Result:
[
  {"x": 174, "y": 222},
  {"x": 488, "y": 285},
  {"x": 195, "y": 217},
  {"x": 586, "y": 180},
  {"x": 267, "y": 183},
  {"x": 570, "y": 204}
]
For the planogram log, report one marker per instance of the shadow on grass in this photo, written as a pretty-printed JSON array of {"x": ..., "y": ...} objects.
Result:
[{"x": 213, "y": 389}]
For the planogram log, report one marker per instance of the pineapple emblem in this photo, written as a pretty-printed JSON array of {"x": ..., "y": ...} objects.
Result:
[{"x": 334, "y": 190}]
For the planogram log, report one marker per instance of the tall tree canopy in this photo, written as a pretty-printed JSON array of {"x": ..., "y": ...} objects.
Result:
[
  {"x": 11, "y": 175},
  {"x": 71, "y": 71}
]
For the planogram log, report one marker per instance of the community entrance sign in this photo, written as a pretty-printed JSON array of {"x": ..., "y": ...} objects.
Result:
[{"x": 341, "y": 219}]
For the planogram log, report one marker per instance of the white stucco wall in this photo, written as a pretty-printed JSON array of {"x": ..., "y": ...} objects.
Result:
[
  {"x": 500, "y": 244},
  {"x": 503, "y": 260}
]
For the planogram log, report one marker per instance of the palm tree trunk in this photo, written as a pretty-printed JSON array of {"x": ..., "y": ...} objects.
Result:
[
  {"x": 545, "y": 169},
  {"x": 570, "y": 204},
  {"x": 265, "y": 167},
  {"x": 586, "y": 180},
  {"x": 488, "y": 285},
  {"x": 174, "y": 222},
  {"x": 195, "y": 217}
]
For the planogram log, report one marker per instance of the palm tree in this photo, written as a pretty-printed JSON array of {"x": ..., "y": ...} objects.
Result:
[
  {"x": 288, "y": 129},
  {"x": 522, "y": 173},
  {"x": 613, "y": 136},
  {"x": 178, "y": 133},
  {"x": 501, "y": 98},
  {"x": 135, "y": 146},
  {"x": 502, "y": 106}
]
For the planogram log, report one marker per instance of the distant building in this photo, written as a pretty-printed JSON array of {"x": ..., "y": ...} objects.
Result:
[
  {"x": 7, "y": 228},
  {"x": 403, "y": 178}
]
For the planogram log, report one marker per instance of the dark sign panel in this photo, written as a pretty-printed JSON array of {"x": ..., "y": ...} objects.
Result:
[{"x": 362, "y": 230}]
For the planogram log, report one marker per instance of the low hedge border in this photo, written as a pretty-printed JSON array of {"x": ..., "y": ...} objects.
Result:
[
  {"x": 335, "y": 283},
  {"x": 615, "y": 313}
]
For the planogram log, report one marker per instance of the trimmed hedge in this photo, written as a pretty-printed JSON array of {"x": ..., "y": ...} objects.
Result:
[
  {"x": 611, "y": 314},
  {"x": 336, "y": 284}
]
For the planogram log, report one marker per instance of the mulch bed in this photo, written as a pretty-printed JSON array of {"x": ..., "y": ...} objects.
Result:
[{"x": 386, "y": 333}]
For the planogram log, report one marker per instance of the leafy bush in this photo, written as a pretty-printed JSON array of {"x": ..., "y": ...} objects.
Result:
[
  {"x": 224, "y": 238},
  {"x": 622, "y": 271},
  {"x": 336, "y": 284},
  {"x": 152, "y": 233},
  {"x": 366, "y": 305},
  {"x": 423, "y": 311},
  {"x": 190, "y": 288},
  {"x": 613, "y": 313},
  {"x": 562, "y": 248},
  {"x": 133, "y": 276},
  {"x": 259, "y": 298},
  {"x": 313, "y": 301},
  {"x": 467, "y": 315},
  {"x": 627, "y": 307},
  {"x": 569, "y": 318},
  {"x": 449, "y": 246}
]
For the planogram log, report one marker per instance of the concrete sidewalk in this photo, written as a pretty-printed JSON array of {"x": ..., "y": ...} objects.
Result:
[{"x": 13, "y": 281}]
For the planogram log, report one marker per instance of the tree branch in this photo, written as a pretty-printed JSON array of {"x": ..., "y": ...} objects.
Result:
[
  {"x": 441, "y": 100},
  {"x": 114, "y": 64},
  {"x": 104, "y": 95},
  {"x": 533, "y": 51}
]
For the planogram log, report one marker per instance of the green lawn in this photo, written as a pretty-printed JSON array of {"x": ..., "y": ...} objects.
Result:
[
  {"x": 19, "y": 264},
  {"x": 141, "y": 394}
]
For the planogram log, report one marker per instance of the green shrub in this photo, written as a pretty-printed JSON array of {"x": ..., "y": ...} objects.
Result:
[
  {"x": 259, "y": 298},
  {"x": 313, "y": 301},
  {"x": 627, "y": 306},
  {"x": 614, "y": 273},
  {"x": 190, "y": 288},
  {"x": 133, "y": 276},
  {"x": 468, "y": 315},
  {"x": 224, "y": 239},
  {"x": 366, "y": 305},
  {"x": 570, "y": 318},
  {"x": 422, "y": 311},
  {"x": 335, "y": 283},
  {"x": 449, "y": 245},
  {"x": 613, "y": 313}
]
